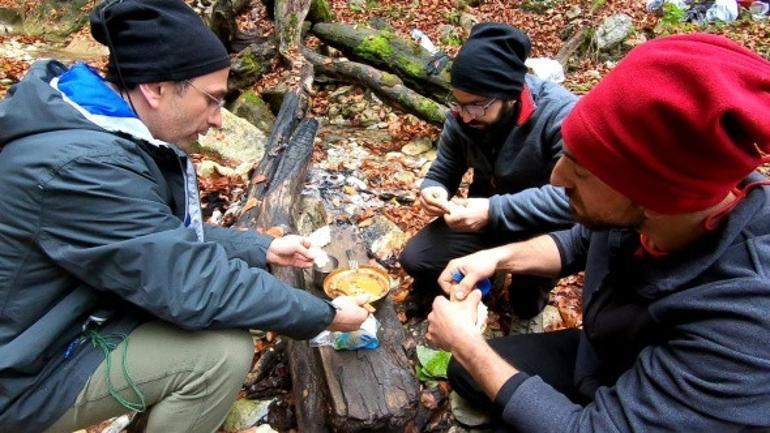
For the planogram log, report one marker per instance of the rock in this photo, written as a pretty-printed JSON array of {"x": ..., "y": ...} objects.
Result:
[
  {"x": 245, "y": 413},
  {"x": 10, "y": 21},
  {"x": 84, "y": 46},
  {"x": 551, "y": 317},
  {"x": 417, "y": 146},
  {"x": 613, "y": 31},
  {"x": 539, "y": 6},
  {"x": 208, "y": 169},
  {"x": 56, "y": 19},
  {"x": 320, "y": 12},
  {"x": 431, "y": 154},
  {"x": 357, "y": 5},
  {"x": 573, "y": 13},
  {"x": 340, "y": 92},
  {"x": 384, "y": 239},
  {"x": 466, "y": 414},
  {"x": 253, "y": 109},
  {"x": 309, "y": 214},
  {"x": 237, "y": 140},
  {"x": 405, "y": 178},
  {"x": 369, "y": 117},
  {"x": 467, "y": 21}
]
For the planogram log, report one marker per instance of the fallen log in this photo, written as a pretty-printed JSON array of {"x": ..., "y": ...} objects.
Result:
[
  {"x": 369, "y": 390},
  {"x": 290, "y": 15},
  {"x": 387, "y": 86},
  {"x": 571, "y": 46},
  {"x": 382, "y": 48}
]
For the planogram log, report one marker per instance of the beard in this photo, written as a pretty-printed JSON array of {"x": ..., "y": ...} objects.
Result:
[
  {"x": 489, "y": 132},
  {"x": 630, "y": 218}
]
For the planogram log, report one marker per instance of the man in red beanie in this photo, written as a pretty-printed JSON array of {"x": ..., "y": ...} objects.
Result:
[{"x": 674, "y": 239}]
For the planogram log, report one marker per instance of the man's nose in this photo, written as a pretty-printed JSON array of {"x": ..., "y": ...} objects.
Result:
[
  {"x": 215, "y": 119},
  {"x": 558, "y": 177}
]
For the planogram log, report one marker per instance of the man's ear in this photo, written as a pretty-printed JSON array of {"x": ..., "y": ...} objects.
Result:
[{"x": 152, "y": 93}]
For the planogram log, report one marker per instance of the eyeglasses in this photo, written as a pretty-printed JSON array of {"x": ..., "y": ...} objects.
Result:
[
  {"x": 473, "y": 110},
  {"x": 213, "y": 100}
]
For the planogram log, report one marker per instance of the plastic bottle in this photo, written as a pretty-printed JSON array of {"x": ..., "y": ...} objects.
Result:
[
  {"x": 424, "y": 41},
  {"x": 485, "y": 285}
]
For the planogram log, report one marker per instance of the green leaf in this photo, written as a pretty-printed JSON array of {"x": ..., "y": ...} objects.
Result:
[{"x": 433, "y": 363}]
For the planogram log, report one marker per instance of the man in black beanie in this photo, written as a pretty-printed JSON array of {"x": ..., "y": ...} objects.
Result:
[
  {"x": 114, "y": 295},
  {"x": 506, "y": 126}
]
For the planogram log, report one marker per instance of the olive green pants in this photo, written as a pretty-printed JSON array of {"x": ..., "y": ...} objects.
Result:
[{"x": 189, "y": 379}]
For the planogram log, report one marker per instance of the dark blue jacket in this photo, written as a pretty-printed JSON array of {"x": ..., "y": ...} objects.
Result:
[
  {"x": 673, "y": 344},
  {"x": 97, "y": 214},
  {"x": 513, "y": 167}
]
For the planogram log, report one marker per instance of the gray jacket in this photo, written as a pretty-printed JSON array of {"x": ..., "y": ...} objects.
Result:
[
  {"x": 106, "y": 218},
  {"x": 674, "y": 344},
  {"x": 516, "y": 178}
]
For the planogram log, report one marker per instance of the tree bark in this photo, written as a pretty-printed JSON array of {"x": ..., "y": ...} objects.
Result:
[
  {"x": 387, "y": 86},
  {"x": 385, "y": 50},
  {"x": 369, "y": 390},
  {"x": 290, "y": 14},
  {"x": 571, "y": 46}
]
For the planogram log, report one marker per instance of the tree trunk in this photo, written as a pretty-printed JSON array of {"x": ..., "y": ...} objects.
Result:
[
  {"x": 387, "y": 86},
  {"x": 289, "y": 178},
  {"x": 571, "y": 46},
  {"x": 385, "y": 50},
  {"x": 290, "y": 14},
  {"x": 369, "y": 390}
]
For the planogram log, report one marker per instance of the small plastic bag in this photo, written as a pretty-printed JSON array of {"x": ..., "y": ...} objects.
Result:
[{"x": 364, "y": 338}]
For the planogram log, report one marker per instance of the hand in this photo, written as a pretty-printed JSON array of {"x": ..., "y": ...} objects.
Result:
[
  {"x": 351, "y": 314},
  {"x": 291, "y": 250},
  {"x": 474, "y": 267},
  {"x": 468, "y": 215},
  {"x": 434, "y": 200},
  {"x": 452, "y": 324}
]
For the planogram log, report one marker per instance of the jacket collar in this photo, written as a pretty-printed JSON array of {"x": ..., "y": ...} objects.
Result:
[
  {"x": 676, "y": 270},
  {"x": 527, "y": 106}
]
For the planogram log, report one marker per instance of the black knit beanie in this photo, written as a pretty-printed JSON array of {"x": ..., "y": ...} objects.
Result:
[
  {"x": 491, "y": 62},
  {"x": 156, "y": 40}
]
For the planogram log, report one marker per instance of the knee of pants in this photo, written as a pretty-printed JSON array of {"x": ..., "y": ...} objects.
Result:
[
  {"x": 232, "y": 351},
  {"x": 412, "y": 260}
]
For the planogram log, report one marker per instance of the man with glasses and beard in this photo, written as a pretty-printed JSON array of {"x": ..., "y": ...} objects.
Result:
[{"x": 506, "y": 125}]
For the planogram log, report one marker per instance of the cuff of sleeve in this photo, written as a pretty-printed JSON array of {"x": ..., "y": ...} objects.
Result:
[
  {"x": 427, "y": 183},
  {"x": 509, "y": 387}
]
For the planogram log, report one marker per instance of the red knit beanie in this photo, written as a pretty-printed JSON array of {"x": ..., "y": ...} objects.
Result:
[{"x": 677, "y": 124}]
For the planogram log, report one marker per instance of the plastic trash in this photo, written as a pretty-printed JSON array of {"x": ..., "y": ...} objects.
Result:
[
  {"x": 364, "y": 338},
  {"x": 723, "y": 10},
  {"x": 424, "y": 41},
  {"x": 657, "y": 5},
  {"x": 546, "y": 69},
  {"x": 759, "y": 10}
]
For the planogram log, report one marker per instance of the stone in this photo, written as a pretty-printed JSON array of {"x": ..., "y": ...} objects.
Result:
[
  {"x": 253, "y": 109},
  {"x": 369, "y": 117},
  {"x": 431, "y": 154},
  {"x": 466, "y": 414},
  {"x": 340, "y": 92},
  {"x": 357, "y": 5},
  {"x": 245, "y": 413},
  {"x": 309, "y": 214},
  {"x": 539, "y": 6},
  {"x": 10, "y": 21},
  {"x": 574, "y": 13},
  {"x": 208, "y": 169},
  {"x": 467, "y": 21},
  {"x": 384, "y": 239},
  {"x": 84, "y": 46},
  {"x": 418, "y": 146},
  {"x": 405, "y": 178},
  {"x": 551, "y": 318},
  {"x": 613, "y": 30},
  {"x": 237, "y": 140}
]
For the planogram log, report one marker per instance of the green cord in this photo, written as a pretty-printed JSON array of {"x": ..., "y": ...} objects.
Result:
[{"x": 103, "y": 343}]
